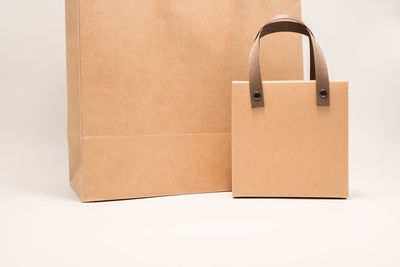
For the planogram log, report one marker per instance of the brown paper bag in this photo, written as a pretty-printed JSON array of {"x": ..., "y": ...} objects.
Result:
[
  {"x": 290, "y": 139},
  {"x": 149, "y": 89}
]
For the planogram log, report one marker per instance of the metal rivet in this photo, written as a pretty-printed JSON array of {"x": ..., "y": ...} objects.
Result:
[
  {"x": 257, "y": 96},
  {"x": 323, "y": 93}
]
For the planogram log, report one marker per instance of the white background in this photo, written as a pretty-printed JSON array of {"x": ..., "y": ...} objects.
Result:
[{"x": 42, "y": 222}]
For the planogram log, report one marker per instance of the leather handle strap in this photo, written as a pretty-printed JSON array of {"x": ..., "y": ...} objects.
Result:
[
  {"x": 319, "y": 71},
  {"x": 295, "y": 19}
]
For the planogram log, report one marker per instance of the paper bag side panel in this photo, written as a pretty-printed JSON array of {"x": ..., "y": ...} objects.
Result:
[
  {"x": 291, "y": 147},
  {"x": 147, "y": 166},
  {"x": 73, "y": 94}
]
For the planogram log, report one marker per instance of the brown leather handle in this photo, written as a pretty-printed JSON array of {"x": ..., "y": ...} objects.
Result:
[
  {"x": 319, "y": 71},
  {"x": 289, "y": 17}
]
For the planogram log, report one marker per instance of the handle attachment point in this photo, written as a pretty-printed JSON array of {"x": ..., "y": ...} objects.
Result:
[
  {"x": 257, "y": 96},
  {"x": 323, "y": 93}
]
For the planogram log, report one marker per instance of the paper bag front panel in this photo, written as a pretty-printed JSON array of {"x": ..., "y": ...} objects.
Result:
[
  {"x": 160, "y": 69},
  {"x": 291, "y": 147}
]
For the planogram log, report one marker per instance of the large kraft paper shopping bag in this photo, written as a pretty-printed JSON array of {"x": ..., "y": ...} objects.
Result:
[
  {"x": 290, "y": 138},
  {"x": 149, "y": 89}
]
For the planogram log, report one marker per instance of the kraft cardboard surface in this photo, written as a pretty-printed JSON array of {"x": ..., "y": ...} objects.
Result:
[
  {"x": 291, "y": 147},
  {"x": 149, "y": 90},
  {"x": 166, "y": 165}
]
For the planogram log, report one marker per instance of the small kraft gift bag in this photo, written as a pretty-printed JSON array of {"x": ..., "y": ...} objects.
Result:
[{"x": 290, "y": 138}]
